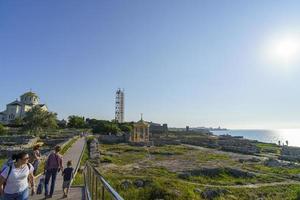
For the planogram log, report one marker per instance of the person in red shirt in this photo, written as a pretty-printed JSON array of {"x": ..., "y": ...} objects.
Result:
[{"x": 52, "y": 166}]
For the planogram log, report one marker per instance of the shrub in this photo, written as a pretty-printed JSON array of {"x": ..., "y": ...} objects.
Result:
[{"x": 2, "y": 130}]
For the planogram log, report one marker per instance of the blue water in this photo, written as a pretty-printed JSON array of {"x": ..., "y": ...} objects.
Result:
[{"x": 269, "y": 136}]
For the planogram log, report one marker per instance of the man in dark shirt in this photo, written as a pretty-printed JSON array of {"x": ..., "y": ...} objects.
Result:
[
  {"x": 52, "y": 167},
  {"x": 68, "y": 175}
]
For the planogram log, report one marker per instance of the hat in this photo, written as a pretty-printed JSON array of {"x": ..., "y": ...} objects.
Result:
[{"x": 39, "y": 144}]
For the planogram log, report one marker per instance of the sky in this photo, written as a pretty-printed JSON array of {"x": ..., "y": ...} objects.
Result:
[{"x": 196, "y": 62}]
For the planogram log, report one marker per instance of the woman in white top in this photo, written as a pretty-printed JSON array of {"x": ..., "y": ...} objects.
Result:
[{"x": 15, "y": 178}]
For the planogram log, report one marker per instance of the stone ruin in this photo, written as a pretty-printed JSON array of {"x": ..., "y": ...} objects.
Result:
[
  {"x": 16, "y": 140},
  {"x": 290, "y": 153},
  {"x": 94, "y": 151},
  {"x": 238, "y": 145},
  {"x": 12, "y": 144}
]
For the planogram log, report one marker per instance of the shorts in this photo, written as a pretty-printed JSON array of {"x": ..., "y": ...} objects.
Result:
[{"x": 66, "y": 184}]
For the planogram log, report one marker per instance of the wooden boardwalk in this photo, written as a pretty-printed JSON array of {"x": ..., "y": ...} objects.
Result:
[{"x": 75, "y": 193}]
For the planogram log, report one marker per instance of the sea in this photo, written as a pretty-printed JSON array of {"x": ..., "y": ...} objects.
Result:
[{"x": 268, "y": 136}]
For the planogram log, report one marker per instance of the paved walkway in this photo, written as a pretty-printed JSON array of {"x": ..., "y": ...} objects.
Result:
[{"x": 75, "y": 193}]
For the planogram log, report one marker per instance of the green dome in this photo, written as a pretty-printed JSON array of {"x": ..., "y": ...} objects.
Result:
[{"x": 30, "y": 94}]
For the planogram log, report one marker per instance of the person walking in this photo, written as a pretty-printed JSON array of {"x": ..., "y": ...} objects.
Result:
[
  {"x": 15, "y": 177},
  {"x": 68, "y": 175},
  {"x": 52, "y": 167}
]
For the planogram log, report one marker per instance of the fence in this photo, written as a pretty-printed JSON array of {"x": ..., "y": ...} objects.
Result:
[{"x": 96, "y": 187}]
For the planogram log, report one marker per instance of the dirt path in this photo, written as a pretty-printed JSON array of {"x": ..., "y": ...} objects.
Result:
[{"x": 231, "y": 154}]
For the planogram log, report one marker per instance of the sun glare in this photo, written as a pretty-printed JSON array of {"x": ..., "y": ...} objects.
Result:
[{"x": 283, "y": 50}]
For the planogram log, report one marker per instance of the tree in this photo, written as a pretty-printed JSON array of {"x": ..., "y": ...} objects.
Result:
[
  {"x": 100, "y": 126},
  {"x": 38, "y": 120},
  {"x": 62, "y": 124},
  {"x": 2, "y": 130},
  {"x": 112, "y": 128},
  {"x": 76, "y": 122},
  {"x": 126, "y": 127},
  {"x": 18, "y": 121}
]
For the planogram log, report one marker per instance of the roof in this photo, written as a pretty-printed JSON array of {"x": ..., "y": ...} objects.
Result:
[
  {"x": 31, "y": 94},
  {"x": 142, "y": 122},
  {"x": 15, "y": 103}
]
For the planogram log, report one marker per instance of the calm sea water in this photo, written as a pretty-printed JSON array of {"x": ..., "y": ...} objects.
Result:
[{"x": 269, "y": 136}]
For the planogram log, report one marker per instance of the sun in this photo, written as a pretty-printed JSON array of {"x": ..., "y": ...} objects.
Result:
[{"x": 284, "y": 50}]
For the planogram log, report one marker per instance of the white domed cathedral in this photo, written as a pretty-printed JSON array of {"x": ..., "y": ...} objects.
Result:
[{"x": 18, "y": 109}]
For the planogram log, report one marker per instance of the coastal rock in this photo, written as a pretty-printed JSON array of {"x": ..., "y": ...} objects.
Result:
[
  {"x": 253, "y": 159},
  {"x": 211, "y": 172},
  {"x": 238, "y": 173},
  {"x": 290, "y": 153},
  {"x": 125, "y": 184},
  {"x": 211, "y": 193},
  {"x": 139, "y": 183},
  {"x": 272, "y": 163},
  {"x": 185, "y": 175},
  {"x": 197, "y": 190}
]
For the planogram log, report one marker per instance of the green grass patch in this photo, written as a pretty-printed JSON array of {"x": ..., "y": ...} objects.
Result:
[
  {"x": 285, "y": 171},
  {"x": 154, "y": 166},
  {"x": 269, "y": 148},
  {"x": 2, "y": 161}
]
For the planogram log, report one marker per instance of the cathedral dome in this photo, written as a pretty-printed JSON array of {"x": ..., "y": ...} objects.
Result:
[
  {"x": 29, "y": 94},
  {"x": 30, "y": 98}
]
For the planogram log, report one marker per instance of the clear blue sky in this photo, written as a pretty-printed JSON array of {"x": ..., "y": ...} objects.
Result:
[{"x": 193, "y": 62}]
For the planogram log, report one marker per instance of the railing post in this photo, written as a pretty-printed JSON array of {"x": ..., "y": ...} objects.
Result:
[
  {"x": 96, "y": 185},
  {"x": 93, "y": 186},
  {"x": 90, "y": 181},
  {"x": 103, "y": 197},
  {"x": 96, "y": 189}
]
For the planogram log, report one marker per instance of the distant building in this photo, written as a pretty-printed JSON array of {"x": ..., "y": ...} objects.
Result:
[
  {"x": 18, "y": 109},
  {"x": 119, "y": 112},
  {"x": 141, "y": 133},
  {"x": 158, "y": 128},
  {"x": 187, "y": 129}
]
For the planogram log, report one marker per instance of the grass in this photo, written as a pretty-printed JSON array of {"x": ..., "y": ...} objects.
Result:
[
  {"x": 285, "y": 192},
  {"x": 276, "y": 170},
  {"x": 79, "y": 179},
  {"x": 2, "y": 161},
  {"x": 167, "y": 187},
  {"x": 152, "y": 165},
  {"x": 269, "y": 148}
]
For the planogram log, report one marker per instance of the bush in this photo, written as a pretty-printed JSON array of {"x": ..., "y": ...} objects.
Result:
[
  {"x": 298, "y": 195},
  {"x": 3, "y": 131}
]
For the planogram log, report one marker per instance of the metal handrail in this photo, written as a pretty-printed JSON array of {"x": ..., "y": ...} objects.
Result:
[{"x": 96, "y": 185}]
